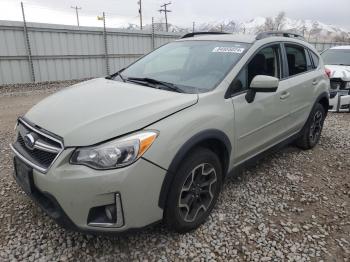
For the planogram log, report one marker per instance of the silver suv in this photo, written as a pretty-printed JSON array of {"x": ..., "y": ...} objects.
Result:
[{"x": 156, "y": 140}]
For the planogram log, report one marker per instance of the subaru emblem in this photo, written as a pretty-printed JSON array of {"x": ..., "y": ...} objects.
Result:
[{"x": 29, "y": 140}]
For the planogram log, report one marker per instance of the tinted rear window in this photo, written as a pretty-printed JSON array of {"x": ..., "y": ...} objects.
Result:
[
  {"x": 336, "y": 57},
  {"x": 296, "y": 58}
]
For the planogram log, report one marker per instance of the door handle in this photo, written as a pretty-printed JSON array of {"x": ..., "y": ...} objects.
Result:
[
  {"x": 315, "y": 82},
  {"x": 284, "y": 95}
]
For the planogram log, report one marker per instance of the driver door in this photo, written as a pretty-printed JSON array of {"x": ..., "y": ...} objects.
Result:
[{"x": 264, "y": 122}]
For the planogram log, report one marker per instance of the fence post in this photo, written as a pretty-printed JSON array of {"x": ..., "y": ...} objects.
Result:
[
  {"x": 324, "y": 42},
  {"x": 153, "y": 38},
  {"x": 27, "y": 44},
  {"x": 105, "y": 42}
]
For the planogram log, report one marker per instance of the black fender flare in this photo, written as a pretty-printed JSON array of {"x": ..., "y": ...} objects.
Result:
[
  {"x": 322, "y": 96},
  {"x": 181, "y": 153}
]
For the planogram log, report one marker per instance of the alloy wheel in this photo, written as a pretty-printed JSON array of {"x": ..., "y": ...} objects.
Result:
[
  {"x": 316, "y": 126},
  {"x": 197, "y": 192}
]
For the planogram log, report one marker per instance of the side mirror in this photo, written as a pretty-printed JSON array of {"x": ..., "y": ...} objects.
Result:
[{"x": 261, "y": 83}]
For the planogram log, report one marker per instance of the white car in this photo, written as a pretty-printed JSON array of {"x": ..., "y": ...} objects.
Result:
[{"x": 337, "y": 61}]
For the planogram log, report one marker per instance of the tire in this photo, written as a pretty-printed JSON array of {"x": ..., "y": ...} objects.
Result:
[
  {"x": 311, "y": 132},
  {"x": 194, "y": 191}
]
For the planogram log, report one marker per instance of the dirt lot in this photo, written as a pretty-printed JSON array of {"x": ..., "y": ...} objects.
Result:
[{"x": 292, "y": 206}]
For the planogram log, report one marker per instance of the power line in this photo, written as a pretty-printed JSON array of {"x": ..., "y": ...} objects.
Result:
[
  {"x": 76, "y": 12},
  {"x": 85, "y": 11},
  {"x": 166, "y": 11}
]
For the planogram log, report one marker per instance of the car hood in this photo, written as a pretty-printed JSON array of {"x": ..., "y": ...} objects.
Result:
[
  {"x": 339, "y": 71},
  {"x": 100, "y": 109}
]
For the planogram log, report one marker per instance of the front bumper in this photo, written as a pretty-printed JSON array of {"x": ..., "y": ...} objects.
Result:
[
  {"x": 339, "y": 101},
  {"x": 68, "y": 192}
]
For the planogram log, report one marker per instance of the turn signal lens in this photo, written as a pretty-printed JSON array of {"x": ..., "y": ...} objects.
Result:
[{"x": 146, "y": 142}]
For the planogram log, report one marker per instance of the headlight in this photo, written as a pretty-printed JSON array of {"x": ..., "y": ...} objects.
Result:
[{"x": 118, "y": 153}]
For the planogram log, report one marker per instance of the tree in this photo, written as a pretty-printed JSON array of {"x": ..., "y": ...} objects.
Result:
[
  {"x": 267, "y": 26},
  {"x": 314, "y": 29},
  {"x": 279, "y": 21},
  {"x": 274, "y": 24}
]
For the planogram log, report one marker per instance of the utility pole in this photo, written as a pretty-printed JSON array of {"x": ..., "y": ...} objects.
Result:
[
  {"x": 103, "y": 18},
  {"x": 27, "y": 43},
  {"x": 193, "y": 26},
  {"x": 76, "y": 13},
  {"x": 166, "y": 11},
  {"x": 153, "y": 42},
  {"x": 140, "y": 12}
]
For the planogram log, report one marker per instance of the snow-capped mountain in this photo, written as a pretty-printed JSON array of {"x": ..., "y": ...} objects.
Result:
[
  {"x": 158, "y": 27},
  {"x": 312, "y": 30}
]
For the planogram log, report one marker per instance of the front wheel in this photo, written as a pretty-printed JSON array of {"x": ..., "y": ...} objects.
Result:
[
  {"x": 311, "y": 132},
  {"x": 194, "y": 191}
]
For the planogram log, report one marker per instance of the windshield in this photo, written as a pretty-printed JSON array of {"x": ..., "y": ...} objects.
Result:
[
  {"x": 336, "y": 57},
  {"x": 193, "y": 66}
]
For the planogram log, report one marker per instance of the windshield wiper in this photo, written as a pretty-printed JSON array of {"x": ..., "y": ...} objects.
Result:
[
  {"x": 117, "y": 74},
  {"x": 170, "y": 86}
]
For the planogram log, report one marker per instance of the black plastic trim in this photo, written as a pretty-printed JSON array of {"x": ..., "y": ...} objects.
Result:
[
  {"x": 190, "y": 144},
  {"x": 252, "y": 161},
  {"x": 280, "y": 34},
  {"x": 203, "y": 33},
  {"x": 320, "y": 97}
]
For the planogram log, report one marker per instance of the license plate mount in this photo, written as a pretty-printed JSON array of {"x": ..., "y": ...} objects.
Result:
[{"x": 24, "y": 176}]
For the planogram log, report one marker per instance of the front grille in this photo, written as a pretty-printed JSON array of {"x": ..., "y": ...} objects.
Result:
[
  {"x": 42, "y": 153},
  {"x": 338, "y": 84},
  {"x": 38, "y": 156}
]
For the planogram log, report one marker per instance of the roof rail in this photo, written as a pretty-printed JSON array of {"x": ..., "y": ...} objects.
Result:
[
  {"x": 279, "y": 33},
  {"x": 203, "y": 33}
]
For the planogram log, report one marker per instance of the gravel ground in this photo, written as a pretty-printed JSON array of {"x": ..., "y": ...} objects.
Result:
[{"x": 292, "y": 206}]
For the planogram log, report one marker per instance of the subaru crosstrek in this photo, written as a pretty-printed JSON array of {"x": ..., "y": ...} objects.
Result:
[{"x": 155, "y": 141}]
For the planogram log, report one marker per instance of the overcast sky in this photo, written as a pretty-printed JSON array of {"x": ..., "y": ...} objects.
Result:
[{"x": 121, "y": 12}]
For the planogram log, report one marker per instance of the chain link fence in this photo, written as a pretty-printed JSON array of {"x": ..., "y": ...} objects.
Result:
[{"x": 322, "y": 46}]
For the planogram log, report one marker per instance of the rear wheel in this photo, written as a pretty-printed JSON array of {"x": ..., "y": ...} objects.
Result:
[
  {"x": 194, "y": 191},
  {"x": 311, "y": 133}
]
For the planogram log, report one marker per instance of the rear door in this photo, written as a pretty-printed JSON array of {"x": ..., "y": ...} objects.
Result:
[
  {"x": 300, "y": 77},
  {"x": 265, "y": 121}
]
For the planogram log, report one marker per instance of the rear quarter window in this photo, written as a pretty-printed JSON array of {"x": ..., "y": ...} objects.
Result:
[{"x": 315, "y": 59}]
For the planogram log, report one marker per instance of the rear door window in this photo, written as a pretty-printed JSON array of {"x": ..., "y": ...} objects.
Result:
[{"x": 296, "y": 58}]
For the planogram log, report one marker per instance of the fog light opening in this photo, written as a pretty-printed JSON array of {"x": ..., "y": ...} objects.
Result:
[
  {"x": 108, "y": 215},
  {"x": 111, "y": 214}
]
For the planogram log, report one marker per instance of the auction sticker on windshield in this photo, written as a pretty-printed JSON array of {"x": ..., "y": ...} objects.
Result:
[{"x": 236, "y": 50}]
